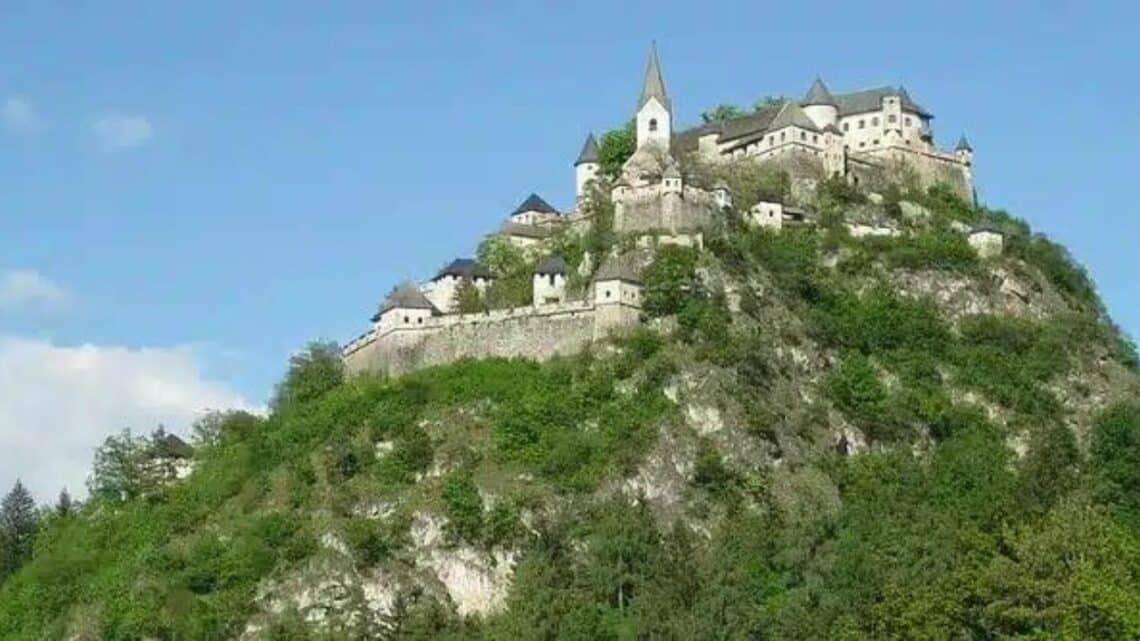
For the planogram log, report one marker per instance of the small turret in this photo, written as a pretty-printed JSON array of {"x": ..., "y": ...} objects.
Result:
[
  {"x": 586, "y": 167},
  {"x": 406, "y": 307},
  {"x": 549, "y": 281},
  {"x": 671, "y": 179},
  {"x": 964, "y": 151},
  {"x": 654, "y": 109},
  {"x": 820, "y": 105}
]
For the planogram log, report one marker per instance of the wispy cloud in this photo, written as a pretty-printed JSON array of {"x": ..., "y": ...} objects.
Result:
[
  {"x": 57, "y": 403},
  {"x": 122, "y": 131},
  {"x": 24, "y": 289},
  {"x": 19, "y": 115}
]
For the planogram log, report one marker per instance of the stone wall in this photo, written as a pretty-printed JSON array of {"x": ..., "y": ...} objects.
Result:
[{"x": 521, "y": 332}]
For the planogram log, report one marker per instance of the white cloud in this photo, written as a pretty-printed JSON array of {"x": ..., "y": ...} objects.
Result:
[
  {"x": 28, "y": 289},
  {"x": 19, "y": 115},
  {"x": 58, "y": 403},
  {"x": 120, "y": 131}
]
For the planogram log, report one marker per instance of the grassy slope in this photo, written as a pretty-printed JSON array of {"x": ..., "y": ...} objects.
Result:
[{"x": 938, "y": 531}]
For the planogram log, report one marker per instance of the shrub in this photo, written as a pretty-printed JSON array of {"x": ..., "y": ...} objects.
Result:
[
  {"x": 671, "y": 281},
  {"x": 943, "y": 250},
  {"x": 855, "y": 389},
  {"x": 1115, "y": 454},
  {"x": 462, "y": 506}
]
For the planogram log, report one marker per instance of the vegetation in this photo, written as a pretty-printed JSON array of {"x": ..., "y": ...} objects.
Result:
[{"x": 842, "y": 458}]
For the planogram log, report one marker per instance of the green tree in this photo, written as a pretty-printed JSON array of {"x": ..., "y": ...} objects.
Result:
[
  {"x": 18, "y": 526},
  {"x": 615, "y": 147},
  {"x": 120, "y": 469},
  {"x": 463, "y": 506},
  {"x": 671, "y": 280},
  {"x": 64, "y": 506},
  {"x": 1115, "y": 453},
  {"x": 312, "y": 372},
  {"x": 468, "y": 299},
  {"x": 721, "y": 113}
]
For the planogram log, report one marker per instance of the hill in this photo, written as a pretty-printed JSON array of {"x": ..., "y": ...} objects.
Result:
[{"x": 814, "y": 436}]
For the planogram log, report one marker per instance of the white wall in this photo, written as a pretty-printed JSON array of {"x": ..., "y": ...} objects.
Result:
[
  {"x": 402, "y": 318},
  {"x": 549, "y": 289},
  {"x": 653, "y": 112},
  {"x": 583, "y": 174}
]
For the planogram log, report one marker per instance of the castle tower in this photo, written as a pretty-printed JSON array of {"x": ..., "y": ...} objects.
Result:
[
  {"x": 405, "y": 308},
  {"x": 820, "y": 105},
  {"x": 654, "y": 111},
  {"x": 963, "y": 151},
  {"x": 617, "y": 296},
  {"x": 549, "y": 281},
  {"x": 586, "y": 167}
]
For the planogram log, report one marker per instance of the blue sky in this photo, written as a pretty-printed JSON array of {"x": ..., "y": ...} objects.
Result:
[{"x": 219, "y": 183}]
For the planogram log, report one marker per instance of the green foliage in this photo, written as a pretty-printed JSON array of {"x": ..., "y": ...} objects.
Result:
[
  {"x": 671, "y": 281},
  {"x": 836, "y": 191},
  {"x": 468, "y": 299},
  {"x": 512, "y": 286},
  {"x": 462, "y": 506},
  {"x": 615, "y": 147},
  {"x": 721, "y": 113},
  {"x": 943, "y": 250},
  {"x": 312, "y": 372},
  {"x": 1058, "y": 267},
  {"x": 1115, "y": 453},
  {"x": 18, "y": 526},
  {"x": 855, "y": 388}
]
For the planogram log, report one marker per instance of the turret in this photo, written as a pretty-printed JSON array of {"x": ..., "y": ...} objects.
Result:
[
  {"x": 963, "y": 151},
  {"x": 820, "y": 105},
  {"x": 586, "y": 167},
  {"x": 549, "y": 281},
  {"x": 406, "y": 307},
  {"x": 671, "y": 180},
  {"x": 654, "y": 110}
]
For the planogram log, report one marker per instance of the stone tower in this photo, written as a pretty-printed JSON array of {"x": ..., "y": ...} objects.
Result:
[
  {"x": 654, "y": 111},
  {"x": 820, "y": 105},
  {"x": 586, "y": 167}
]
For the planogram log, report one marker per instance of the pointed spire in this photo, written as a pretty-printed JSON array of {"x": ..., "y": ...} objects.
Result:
[
  {"x": 963, "y": 144},
  {"x": 589, "y": 151},
  {"x": 654, "y": 86},
  {"x": 819, "y": 94}
]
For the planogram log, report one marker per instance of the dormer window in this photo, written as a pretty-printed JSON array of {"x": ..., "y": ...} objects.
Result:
[{"x": 652, "y": 124}]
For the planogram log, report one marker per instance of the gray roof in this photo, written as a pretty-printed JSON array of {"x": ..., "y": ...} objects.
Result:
[
  {"x": 464, "y": 268},
  {"x": 819, "y": 95},
  {"x": 963, "y": 144},
  {"x": 792, "y": 115},
  {"x": 589, "y": 151},
  {"x": 858, "y": 102},
  {"x": 654, "y": 85},
  {"x": 552, "y": 265},
  {"x": 672, "y": 170},
  {"x": 534, "y": 202},
  {"x": 525, "y": 231},
  {"x": 618, "y": 268},
  {"x": 405, "y": 296},
  {"x": 987, "y": 226}
]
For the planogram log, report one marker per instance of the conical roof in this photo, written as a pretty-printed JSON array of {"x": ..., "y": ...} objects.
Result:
[
  {"x": 618, "y": 268},
  {"x": 791, "y": 115},
  {"x": 963, "y": 144},
  {"x": 534, "y": 202},
  {"x": 654, "y": 85},
  {"x": 672, "y": 170},
  {"x": 819, "y": 95},
  {"x": 552, "y": 265},
  {"x": 589, "y": 151},
  {"x": 406, "y": 295}
]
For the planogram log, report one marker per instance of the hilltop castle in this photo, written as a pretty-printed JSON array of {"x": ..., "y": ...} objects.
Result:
[{"x": 857, "y": 136}]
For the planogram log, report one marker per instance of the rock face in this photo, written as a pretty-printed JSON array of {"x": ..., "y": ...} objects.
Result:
[{"x": 476, "y": 582}]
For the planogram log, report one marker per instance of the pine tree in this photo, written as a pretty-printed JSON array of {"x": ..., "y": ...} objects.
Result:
[
  {"x": 18, "y": 524},
  {"x": 64, "y": 506}
]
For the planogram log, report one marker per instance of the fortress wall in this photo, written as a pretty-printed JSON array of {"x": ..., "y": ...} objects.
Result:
[
  {"x": 561, "y": 329},
  {"x": 931, "y": 168}
]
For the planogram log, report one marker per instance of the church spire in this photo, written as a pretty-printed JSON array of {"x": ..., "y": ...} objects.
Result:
[{"x": 654, "y": 86}]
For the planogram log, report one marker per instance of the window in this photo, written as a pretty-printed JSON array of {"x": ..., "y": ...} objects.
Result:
[
  {"x": 551, "y": 280},
  {"x": 892, "y": 118},
  {"x": 652, "y": 124},
  {"x": 420, "y": 321},
  {"x": 875, "y": 121},
  {"x": 876, "y": 142},
  {"x": 862, "y": 124},
  {"x": 407, "y": 320},
  {"x": 863, "y": 143},
  {"x": 782, "y": 135},
  {"x": 803, "y": 136},
  {"x": 607, "y": 293},
  {"x": 907, "y": 122},
  {"x": 846, "y": 126},
  {"x": 815, "y": 137},
  {"x": 771, "y": 139}
]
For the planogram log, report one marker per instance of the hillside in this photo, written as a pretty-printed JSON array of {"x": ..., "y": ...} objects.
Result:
[{"x": 814, "y": 436}]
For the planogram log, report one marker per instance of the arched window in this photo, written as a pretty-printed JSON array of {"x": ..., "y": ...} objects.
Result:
[
  {"x": 551, "y": 280},
  {"x": 652, "y": 124}
]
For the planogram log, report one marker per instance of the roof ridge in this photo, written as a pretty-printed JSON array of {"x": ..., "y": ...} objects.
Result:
[{"x": 654, "y": 84}]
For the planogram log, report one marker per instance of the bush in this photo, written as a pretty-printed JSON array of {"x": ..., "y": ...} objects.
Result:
[
  {"x": 463, "y": 507},
  {"x": 1115, "y": 454},
  {"x": 855, "y": 389},
  {"x": 946, "y": 251}
]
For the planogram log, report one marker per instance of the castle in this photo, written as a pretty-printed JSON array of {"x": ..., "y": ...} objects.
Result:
[{"x": 855, "y": 136}]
